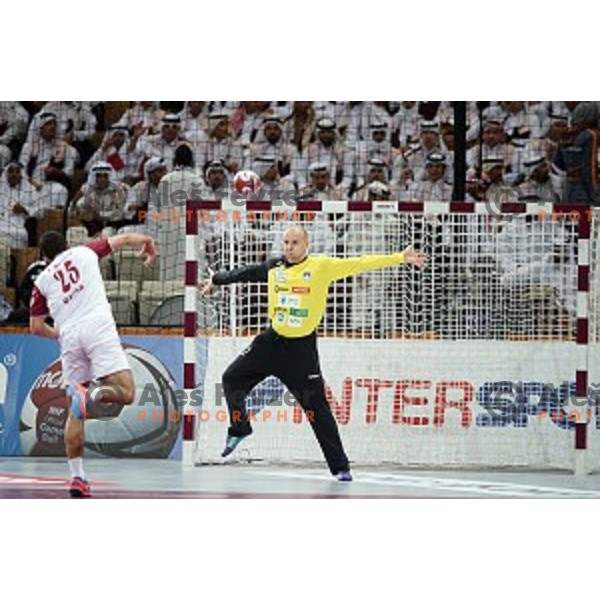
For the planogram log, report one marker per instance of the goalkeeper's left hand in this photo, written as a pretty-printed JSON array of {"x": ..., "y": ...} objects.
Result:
[{"x": 412, "y": 257}]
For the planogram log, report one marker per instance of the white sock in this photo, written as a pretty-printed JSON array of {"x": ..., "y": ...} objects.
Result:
[{"x": 76, "y": 467}]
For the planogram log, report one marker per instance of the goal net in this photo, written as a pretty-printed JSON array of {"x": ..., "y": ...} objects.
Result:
[{"x": 471, "y": 362}]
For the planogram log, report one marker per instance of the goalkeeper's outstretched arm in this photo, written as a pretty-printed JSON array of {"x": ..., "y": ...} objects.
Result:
[
  {"x": 344, "y": 267},
  {"x": 258, "y": 273}
]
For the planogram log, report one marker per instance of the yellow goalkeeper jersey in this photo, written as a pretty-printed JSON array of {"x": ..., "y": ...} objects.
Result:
[{"x": 298, "y": 293}]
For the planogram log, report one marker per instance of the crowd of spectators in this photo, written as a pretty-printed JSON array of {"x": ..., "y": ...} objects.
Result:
[{"x": 111, "y": 167}]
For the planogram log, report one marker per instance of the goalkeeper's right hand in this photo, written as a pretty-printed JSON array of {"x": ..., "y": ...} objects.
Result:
[{"x": 206, "y": 285}]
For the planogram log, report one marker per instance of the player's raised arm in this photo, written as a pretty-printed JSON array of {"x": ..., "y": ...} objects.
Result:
[{"x": 136, "y": 240}]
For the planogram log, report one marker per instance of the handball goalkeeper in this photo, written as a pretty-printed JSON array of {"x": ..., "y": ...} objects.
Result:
[{"x": 298, "y": 285}]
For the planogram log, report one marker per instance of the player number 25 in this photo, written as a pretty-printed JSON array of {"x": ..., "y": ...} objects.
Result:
[{"x": 68, "y": 274}]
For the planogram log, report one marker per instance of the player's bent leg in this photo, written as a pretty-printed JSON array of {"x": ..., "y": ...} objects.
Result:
[
  {"x": 235, "y": 390},
  {"x": 238, "y": 381},
  {"x": 108, "y": 394},
  {"x": 117, "y": 388},
  {"x": 241, "y": 376},
  {"x": 99, "y": 398},
  {"x": 103, "y": 397}
]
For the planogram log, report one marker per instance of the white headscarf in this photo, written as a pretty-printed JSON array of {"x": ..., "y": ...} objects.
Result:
[
  {"x": 100, "y": 167},
  {"x": 152, "y": 164},
  {"x": 108, "y": 202}
]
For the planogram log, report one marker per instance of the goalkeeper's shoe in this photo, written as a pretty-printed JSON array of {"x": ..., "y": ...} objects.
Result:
[
  {"x": 80, "y": 402},
  {"x": 344, "y": 476},
  {"x": 231, "y": 443},
  {"x": 79, "y": 488}
]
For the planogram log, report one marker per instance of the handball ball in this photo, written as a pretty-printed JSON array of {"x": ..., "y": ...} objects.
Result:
[{"x": 246, "y": 182}]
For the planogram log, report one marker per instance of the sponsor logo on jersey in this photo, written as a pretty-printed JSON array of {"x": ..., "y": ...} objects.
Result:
[
  {"x": 294, "y": 322},
  {"x": 280, "y": 276},
  {"x": 300, "y": 290},
  {"x": 287, "y": 300},
  {"x": 306, "y": 275},
  {"x": 299, "y": 312}
]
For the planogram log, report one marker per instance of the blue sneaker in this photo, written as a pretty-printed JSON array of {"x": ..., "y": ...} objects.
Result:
[
  {"x": 344, "y": 476},
  {"x": 231, "y": 443},
  {"x": 80, "y": 403}
]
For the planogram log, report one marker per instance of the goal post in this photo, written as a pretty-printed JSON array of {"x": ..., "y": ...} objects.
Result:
[{"x": 480, "y": 360}]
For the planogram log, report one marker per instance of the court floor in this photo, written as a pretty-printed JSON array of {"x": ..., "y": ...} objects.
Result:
[{"x": 127, "y": 478}]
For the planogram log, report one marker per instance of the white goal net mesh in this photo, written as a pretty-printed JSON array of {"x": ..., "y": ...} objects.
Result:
[{"x": 469, "y": 362}]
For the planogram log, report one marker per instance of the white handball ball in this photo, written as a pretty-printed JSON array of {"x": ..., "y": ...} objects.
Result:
[{"x": 246, "y": 182}]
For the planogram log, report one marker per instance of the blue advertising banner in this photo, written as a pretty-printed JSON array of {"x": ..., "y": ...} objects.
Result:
[{"x": 34, "y": 407}]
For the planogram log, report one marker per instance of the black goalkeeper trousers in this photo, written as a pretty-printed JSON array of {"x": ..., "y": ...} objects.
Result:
[{"x": 295, "y": 361}]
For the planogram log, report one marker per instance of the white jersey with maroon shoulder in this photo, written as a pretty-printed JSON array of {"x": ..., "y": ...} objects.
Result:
[{"x": 71, "y": 289}]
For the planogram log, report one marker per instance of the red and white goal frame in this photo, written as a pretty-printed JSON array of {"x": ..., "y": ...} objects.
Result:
[{"x": 427, "y": 400}]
